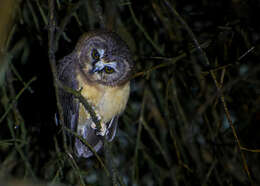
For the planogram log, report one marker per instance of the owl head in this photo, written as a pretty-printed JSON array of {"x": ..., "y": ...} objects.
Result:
[{"x": 104, "y": 58}]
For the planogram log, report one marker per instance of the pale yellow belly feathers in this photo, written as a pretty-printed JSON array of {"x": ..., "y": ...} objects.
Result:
[{"x": 107, "y": 101}]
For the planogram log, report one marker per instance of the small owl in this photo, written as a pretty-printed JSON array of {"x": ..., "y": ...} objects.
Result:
[{"x": 100, "y": 66}]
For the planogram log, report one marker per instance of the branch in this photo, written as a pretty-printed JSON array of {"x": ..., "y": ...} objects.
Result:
[{"x": 87, "y": 106}]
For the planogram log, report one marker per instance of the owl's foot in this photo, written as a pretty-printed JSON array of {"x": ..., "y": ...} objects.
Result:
[{"x": 103, "y": 130}]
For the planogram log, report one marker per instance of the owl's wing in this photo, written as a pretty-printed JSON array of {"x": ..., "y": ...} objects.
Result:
[
  {"x": 89, "y": 134},
  {"x": 112, "y": 128},
  {"x": 66, "y": 75}
]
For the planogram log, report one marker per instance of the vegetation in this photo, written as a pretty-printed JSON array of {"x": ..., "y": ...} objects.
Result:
[{"x": 193, "y": 114}]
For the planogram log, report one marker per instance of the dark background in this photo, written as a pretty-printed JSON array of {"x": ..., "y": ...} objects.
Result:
[{"x": 175, "y": 129}]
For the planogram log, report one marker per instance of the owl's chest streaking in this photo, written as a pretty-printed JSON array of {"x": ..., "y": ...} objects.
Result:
[{"x": 107, "y": 101}]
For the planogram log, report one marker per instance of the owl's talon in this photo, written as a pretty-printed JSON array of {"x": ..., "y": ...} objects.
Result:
[
  {"x": 93, "y": 126},
  {"x": 80, "y": 89},
  {"x": 98, "y": 117},
  {"x": 103, "y": 130}
]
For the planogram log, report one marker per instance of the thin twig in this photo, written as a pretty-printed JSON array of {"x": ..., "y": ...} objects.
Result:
[
  {"x": 139, "y": 25},
  {"x": 66, "y": 20},
  {"x": 18, "y": 146},
  {"x": 157, "y": 143},
  {"x": 90, "y": 147},
  {"x": 205, "y": 59},
  {"x": 76, "y": 167},
  {"x": 16, "y": 98},
  {"x": 52, "y": 61},
  {"x": 171, "y": 61},
  {"x": 138, "y": 139}
]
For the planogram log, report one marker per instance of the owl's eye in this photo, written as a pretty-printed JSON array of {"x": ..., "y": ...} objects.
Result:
[
  {"x": 109, "y": 70},
  {"x": 95, "y": 54}
]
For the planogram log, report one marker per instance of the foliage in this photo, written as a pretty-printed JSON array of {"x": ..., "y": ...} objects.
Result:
[{"x": 193, "y": 114}]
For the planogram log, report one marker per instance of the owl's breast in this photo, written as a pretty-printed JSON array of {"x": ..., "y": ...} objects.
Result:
[
  {"x": 114, "y": 101},
  {"x": 107, "y": 101}
]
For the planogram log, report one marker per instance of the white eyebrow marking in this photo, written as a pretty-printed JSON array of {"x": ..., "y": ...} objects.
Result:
[
  {"x": 101, "y": 52},
  {"x": 111, "y": 64}
]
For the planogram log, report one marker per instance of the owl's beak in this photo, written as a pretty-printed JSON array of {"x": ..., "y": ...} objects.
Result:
[{"x": 98, "y": 66}]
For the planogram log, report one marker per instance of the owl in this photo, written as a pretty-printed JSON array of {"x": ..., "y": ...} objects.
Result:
[{"x": 100, "y": 67}]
